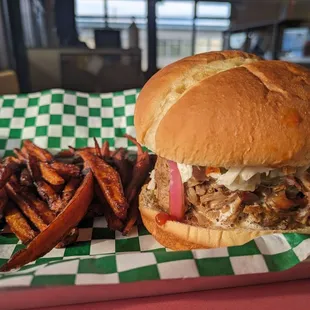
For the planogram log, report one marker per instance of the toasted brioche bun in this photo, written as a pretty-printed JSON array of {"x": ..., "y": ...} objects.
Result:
[
  {"x": 179, "y": 236},
  {"x": 226, "y": 109}
]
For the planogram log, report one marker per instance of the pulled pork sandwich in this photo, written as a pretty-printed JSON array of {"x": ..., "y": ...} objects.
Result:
[{"x": 232, "y": 135}]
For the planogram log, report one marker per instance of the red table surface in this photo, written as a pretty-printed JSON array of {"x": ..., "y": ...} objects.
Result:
[{"x": 286, "y": 295}]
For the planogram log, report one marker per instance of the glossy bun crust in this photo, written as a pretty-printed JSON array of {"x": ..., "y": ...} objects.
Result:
[{"x": 227, "y": 109}]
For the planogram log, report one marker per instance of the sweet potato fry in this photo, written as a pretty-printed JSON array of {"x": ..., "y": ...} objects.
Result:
[
  {"x": 25, "y": 178},
  {"x": 24, "y": 151},
  {"x": 70, "y": 238},
  {"x": 77, "y": 161},
  {"x": 18, "y": 224},
  {"x": 132, "y": 216},
  {"x": 50, "y": 175},
  {"x": 58, "y": 229},
  {"x": 51, "y": 196},
  {"x": 64, "y": 154},
  {"x": 9, "y": 166},
  {"x": 95, "y": 209},
  {"x": 120, "y": 152},
  {"x": 109, "y": 182},
  {"x": 58, "y": 188},
  {"x": 20, "y": 155},
  {"x": 49, "y": 216},
  {"x": 69, "y": 190},
  {"x": 114, "y": 223},
  {"x": 41, "y": 207},
  {"x": 24, "y": 205},
  {"x": 45, "y": 190},
  {"x": 65, "y": 169},
  {"x": 105, "y": 149},
  {"x": 123, "y": 166},
  {"x": 36, "y": 151},
  {"x": 115, "y": 152},
  {"x": 140, "y": 172},
  {"x": 97, "y": 148},
  {"x": 88, "y": 148},
  {"x": 10, "y": 160},
  {"x": 3, "y": 201}
]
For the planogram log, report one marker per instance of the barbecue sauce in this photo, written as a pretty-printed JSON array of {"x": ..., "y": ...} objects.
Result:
[{"x": 162, "y": 218}]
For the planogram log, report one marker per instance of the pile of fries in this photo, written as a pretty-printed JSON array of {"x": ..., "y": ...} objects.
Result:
[{"x": 44, "y": 197}]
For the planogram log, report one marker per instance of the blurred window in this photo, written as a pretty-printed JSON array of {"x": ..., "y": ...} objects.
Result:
[
  {"x": 208, "y": 42},
  {"x": 174, "y": 25},
  {"x": 161, "y": 48},
  {"x": 125, "y": 8},
  {"x": 237, "y": 40},
  {"x": 175, "y": 28},
  {"x": 213, "y": 9},
  {"x": 176, "y": 9},
  {"x": 90, "y": 15},
  {"x": 213, "y": 23},
  {"x": 89, "y": 7},
  {"x": 294, "y": 40},
  {"x": 173, "y": 48}
]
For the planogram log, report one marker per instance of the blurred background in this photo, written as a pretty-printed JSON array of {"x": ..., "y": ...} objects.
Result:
[{"x": 111, "y": 45}]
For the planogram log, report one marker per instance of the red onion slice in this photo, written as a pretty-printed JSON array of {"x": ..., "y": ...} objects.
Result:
[{"x": 176, "y": 194}]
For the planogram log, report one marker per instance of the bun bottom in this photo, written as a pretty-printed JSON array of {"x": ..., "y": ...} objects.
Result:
[{"x": 179, "y": 236}]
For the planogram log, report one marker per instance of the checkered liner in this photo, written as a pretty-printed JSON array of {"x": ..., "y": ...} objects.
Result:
[{"x": 58, "y": 118}]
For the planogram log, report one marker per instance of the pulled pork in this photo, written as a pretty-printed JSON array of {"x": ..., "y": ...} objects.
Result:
[{"x": 277, "y": 203}]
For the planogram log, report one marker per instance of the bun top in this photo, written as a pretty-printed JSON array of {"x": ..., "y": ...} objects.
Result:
[{"x": 227, "y": 109}]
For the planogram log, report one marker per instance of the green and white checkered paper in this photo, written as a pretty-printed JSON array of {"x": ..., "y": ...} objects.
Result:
[{"x": 55, "y": 119}]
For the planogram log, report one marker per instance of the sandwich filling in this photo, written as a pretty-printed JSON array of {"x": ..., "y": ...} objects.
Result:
[{"x": 245, "y": 197}]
